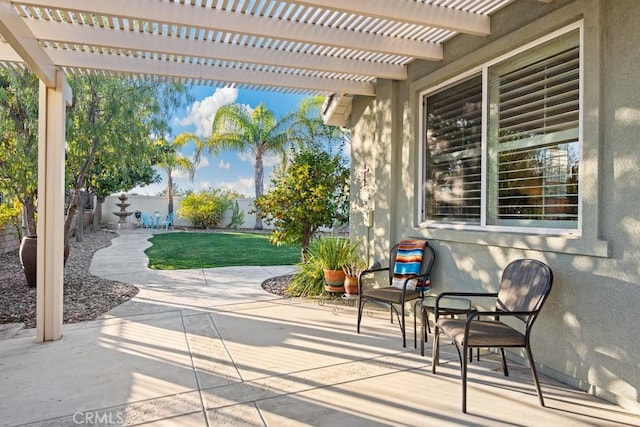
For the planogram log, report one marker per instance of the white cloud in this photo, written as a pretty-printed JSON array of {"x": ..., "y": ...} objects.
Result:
[
  {"x": 270, "y": 160},
  {"x": 204, "y": 185},
  {"x": 180, "y": 174},
  {"x": 224, "y": 165},
  {"x": 247, "y": 156},
  {"x": 242, "y": 185},
  {"x": 202, "y": 112},
  {"x": 204, "y": 162}
]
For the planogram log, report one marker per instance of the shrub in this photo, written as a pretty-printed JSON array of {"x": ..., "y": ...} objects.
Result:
[
  {"x": 206, "y": 208},
  {"x": 237, "y": 216},
  {"x": 10, "y": 214}
]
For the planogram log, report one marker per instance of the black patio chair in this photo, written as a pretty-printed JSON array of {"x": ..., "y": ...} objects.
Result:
[
  {"x": 524, "y": 287},
  {"x": 396, "y": 296}
]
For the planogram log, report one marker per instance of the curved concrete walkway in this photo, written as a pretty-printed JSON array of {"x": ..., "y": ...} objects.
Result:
[
  {"x": 161, "y": 290},
  {"x": 210, "y": 348}
]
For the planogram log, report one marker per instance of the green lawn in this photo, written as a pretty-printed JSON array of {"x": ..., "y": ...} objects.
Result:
[{"x": 175, "y": 251}]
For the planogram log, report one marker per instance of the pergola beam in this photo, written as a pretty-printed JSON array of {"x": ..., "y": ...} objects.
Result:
[
  {"x": 189, "y": 15},
  {"x": 24, "y": 43},
  {"x": 410, "y": 12},
  {"x": 142, "y": 66},
  {"x": 146, "y": 42}
]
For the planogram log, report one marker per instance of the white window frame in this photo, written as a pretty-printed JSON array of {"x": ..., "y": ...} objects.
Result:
[{"x": 483, "y": 69}]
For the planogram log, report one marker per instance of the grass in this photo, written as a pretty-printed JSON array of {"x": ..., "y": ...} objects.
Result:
[{"x": 177, "y": 251}]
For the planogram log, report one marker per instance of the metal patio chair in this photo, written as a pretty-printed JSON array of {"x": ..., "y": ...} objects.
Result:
[
  {"x": 396, "y": 296},
  {"x": 168, "y": 222},
  {"x": 524, "y": 287}
]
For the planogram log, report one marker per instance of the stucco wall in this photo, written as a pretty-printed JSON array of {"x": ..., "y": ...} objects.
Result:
[{"x": 585, "y": 335}]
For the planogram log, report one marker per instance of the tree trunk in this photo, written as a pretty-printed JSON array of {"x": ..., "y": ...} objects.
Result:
[
  {"x": 30, "y": 215},
  {"x": 307, "y": 233},
  {"x": 71, "y": 211},
  {"x": 170, "y": 193},
  {"x": 97, "y": 213},
  {"x": 82, "y": 176},
  {"x": 82, "y": 199},
  {"x": 259, "y": 178}
]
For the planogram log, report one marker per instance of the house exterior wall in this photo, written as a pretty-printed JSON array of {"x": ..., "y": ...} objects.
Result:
[{"x": 585, "y": 335}]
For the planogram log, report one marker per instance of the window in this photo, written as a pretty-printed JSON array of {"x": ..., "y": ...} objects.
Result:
[{"x": 502, "y": 145}]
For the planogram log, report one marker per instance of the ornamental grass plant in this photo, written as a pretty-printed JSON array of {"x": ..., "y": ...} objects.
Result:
[{"x": 331, "y": 253}]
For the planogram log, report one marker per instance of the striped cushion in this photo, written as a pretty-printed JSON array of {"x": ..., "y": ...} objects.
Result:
[{"x": 408, "y": 263}]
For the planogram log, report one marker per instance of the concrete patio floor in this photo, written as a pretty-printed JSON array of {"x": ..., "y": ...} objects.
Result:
[{"x": 211, "y": 348}]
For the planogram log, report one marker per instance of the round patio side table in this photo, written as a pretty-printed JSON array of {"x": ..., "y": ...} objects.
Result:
[{"x": 448, "y": 306}]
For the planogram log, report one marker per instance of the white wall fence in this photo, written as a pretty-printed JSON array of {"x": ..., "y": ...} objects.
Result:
[{"x": 160, "y": 204}]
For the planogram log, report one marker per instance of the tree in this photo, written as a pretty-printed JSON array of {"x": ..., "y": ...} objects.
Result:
[
  {"x": 311, "y": 192},
  {"x": 19, "y": 140},
  {"x": 104, "y": 180},
  {"x": 236, "y": 127},
  {"x": 113, "y": 120},
  {"x": 108, "y": 134},
  {"x": 171, "y": 160},
  {"x": 306, "y": 127}
]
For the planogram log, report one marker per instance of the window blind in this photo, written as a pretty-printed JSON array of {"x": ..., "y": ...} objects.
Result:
[
  {"x": 454, "y": 139},
  {"x": 539, "y": 108}
]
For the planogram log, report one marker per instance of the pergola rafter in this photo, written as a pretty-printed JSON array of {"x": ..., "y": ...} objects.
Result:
[{"x": 308, "y": 46}]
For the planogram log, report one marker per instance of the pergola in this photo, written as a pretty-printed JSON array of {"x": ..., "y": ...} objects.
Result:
[{"x": 337, "y": 48}]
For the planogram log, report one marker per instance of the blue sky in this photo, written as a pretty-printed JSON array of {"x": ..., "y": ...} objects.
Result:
[{"x": 229, "y": 170}]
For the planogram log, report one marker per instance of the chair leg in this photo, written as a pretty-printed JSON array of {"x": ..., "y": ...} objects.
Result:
[
  {"x": 360, "y": 305},
  {"x": 504, "y": 363},
  {"x": 423, "y": 330},
  {"x": 415, "y": 324},
  {"x": 435, "y": 356},
  {"x": 534, "y": 373},
  {"x": 402, "y": 326},
  {"x": 463, "y": 366}
]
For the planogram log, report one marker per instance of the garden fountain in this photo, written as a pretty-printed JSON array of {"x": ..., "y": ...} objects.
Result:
[{"x": 123, "y": 214}]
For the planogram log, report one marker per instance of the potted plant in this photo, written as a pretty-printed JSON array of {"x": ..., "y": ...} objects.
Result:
[
  {"x": 333, "y": 253},
  {"x": 352, "y": 270}
]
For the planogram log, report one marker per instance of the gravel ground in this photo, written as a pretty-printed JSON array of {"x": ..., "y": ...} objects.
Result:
[
  {"x": 86, "y": 297},
  {"x": 277, "y": 285}
]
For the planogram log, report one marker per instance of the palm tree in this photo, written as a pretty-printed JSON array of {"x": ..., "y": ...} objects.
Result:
[
  {"x": 307, "y": 128},
  {"x": 173, "y": 161},
  {"x": 236, "y": 127}
]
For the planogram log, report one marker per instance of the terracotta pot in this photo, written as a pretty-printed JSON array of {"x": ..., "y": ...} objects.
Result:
[
  {"x": 337, "y": 289},
  {"x": 29, "y": 258},
  {"x": 351, "y": 285},
  {"x": 334, "y": 277}
]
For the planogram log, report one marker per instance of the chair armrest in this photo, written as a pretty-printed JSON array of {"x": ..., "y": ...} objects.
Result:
[
  {"x": 436, "y": 306},
  {"x": 497, "y": 313},
  {"x": 466, "y": 294},
  {"x": 367, "y": 272},
  {"x": 373, "y": 270}
]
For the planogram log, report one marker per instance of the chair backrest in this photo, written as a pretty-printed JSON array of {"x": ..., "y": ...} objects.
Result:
[
  {"x": 428, "y": 257},
  {"x": 524, "y": 286}
]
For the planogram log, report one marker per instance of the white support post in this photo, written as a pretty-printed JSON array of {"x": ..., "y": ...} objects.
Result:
[{"x": 51, "y": 156}]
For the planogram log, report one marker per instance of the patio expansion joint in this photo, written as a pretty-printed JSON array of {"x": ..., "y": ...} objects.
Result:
[
  {"x": 292, "y": 383},
  {"x": 132, "y": 413},
  {"x": 193, "y": 363}
]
